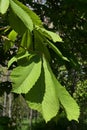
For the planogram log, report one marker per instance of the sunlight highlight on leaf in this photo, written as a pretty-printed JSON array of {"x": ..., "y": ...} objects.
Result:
[{"x": 24, "y": 77}]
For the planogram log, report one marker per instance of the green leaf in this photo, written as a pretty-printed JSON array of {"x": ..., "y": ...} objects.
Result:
[
  {"x": 21, "y": 13},
  {"x": 43, "y": 97},
  {"x": 24, "y": 77},
  {"x": 46, "y": 100},
  {"x": 26, "y": 40},
  {"x": 35, "y": 18},
  {"x": 7, "y": 45},
  {"x": 4, "y": 4},
  {"x": 50, "y": 35},
  {"x": 11, "y": 61},
  {"x": 10, "y": 41},
  {"x": 56, "y": 50},
  {"x": 12, "y": 35},
  {"x": 69, "y": 104},
  {"x": 35, "y": 106},
  {"x": 50, "y": 104},
  {"x": 40, "y": 45},
  {"x": 15, "y": 21},
  {"x": 18, "y": 57},
  {"x": 35, "y": 96}
]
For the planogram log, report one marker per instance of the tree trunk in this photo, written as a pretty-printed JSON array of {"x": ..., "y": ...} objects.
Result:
[
  {"x": 10, "y": 104},
  {"x": 4, "y": 104}
]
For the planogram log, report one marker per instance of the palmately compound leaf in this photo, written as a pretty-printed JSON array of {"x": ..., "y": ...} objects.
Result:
[
  {"x": 24, "y": 77},
  {"x": 4, "y": 4},
  {"x": 43, "y": 97},
  {"x": 69, "y": 104},
  {"x": 50, "y": 104},
  {"x": 50, "y": 35},
  {"x": 21, "y": 13},
  {"x": 47, "y": 93}
]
